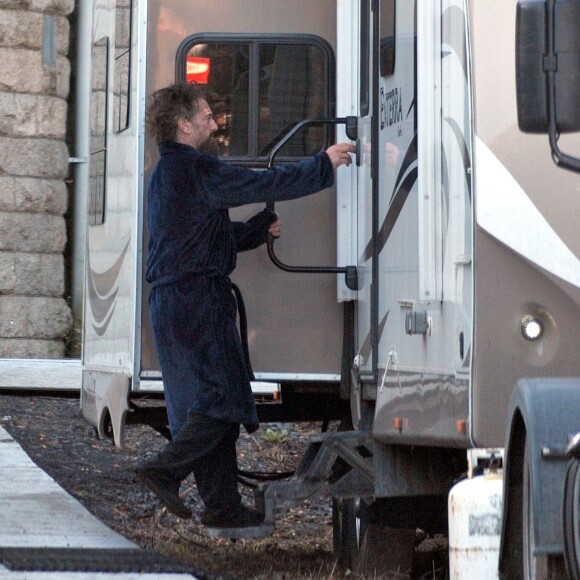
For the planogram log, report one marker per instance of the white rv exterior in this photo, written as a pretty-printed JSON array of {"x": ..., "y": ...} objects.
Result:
[{"x": 461, "y": 227}]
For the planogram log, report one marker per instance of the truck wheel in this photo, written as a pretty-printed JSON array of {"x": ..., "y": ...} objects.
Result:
[
  {"x": 571, "y": 519},
  {"x": 364, "y": 542},
  {"x": 346, "y": 531},
  {"x": 535, "y": 567}
]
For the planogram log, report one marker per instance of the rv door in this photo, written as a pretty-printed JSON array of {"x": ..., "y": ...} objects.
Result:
[{"x": 387, "y": 164}]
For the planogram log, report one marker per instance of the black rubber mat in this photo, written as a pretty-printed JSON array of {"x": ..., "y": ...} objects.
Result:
[{"x": 88, "y": 560}]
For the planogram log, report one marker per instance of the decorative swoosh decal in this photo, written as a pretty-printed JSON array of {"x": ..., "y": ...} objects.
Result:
[
  {"x": 445, "y": 188},
  {"x": 102, "y": 290},
  {"x": 365, "y": 349},
  {"x": 460, "y": 138},
  {"x": 403, "y": 187},
  {"x": 412, "y": 108}
]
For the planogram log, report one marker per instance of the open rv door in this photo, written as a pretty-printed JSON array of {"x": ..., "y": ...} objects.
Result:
[
  {"x": 267, "y": 66},
  {"x": 110, "y": 325}
]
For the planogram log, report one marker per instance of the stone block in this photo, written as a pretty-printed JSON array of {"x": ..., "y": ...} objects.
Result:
[
  {"x": 10, "y": 121},
  {"x": 6, "y": 193},
  {"x": 33, "y": 195},
  {"x": 53, "y": 6},
  {"x": 30, "y": 157},
  {"x": 40, "y": 195},
  {"x": 34, "y": 317},
  {"x": 21, "y": 71},
  {"x": 58, "y": 6},
  {"x": 31, "y": 348},
  {"x": 51, "y": 117},
  {"x": 13, "y": 317},
  {"x": 49, "y": 318},
  {"x": 38, "y": 274},
  {"x": 27, "y": 232},
  {"x": 62, "y": 77},
  {"x": 21, "y": 29},
  {"x": 32, "y": 116},
  {"x": 7, "y": 273},
  {"x": 30, "y": 274}
]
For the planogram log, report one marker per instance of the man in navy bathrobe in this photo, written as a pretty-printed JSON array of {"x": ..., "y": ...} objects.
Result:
[{"x": 192, "y": 252}]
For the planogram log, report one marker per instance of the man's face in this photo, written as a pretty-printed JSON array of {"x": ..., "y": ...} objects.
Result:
[{"x": 203, "y": 125}]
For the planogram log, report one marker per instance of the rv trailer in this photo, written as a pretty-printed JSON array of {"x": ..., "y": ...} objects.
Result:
[{"x": 430, "y": 299}]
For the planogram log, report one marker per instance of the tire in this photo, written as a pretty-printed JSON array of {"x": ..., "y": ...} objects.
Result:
[
  {"x": 546, "y": 567},
  {"x": 347, "y": 530},
  {"x": 346, "y": 521},
  {"x": 571, "y": 519},
  {"x": 366, "y": 544}
]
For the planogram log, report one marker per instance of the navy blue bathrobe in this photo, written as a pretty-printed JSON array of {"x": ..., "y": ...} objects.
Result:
[{"x": 192, "y": 251}]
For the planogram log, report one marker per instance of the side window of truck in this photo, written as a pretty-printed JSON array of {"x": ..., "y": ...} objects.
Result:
[
  {"x": 122, "y": 73},
  {"x": 98, "y": 129},
  {"x": 102, "y": 105},
  {"x": 259, "y": 87}
]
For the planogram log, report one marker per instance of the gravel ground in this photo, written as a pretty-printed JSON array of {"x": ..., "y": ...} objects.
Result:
[{"x": 101, "y": 477}]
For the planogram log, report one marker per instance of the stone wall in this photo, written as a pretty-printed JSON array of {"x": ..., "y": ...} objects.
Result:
[{"x": 35, "y": 319}]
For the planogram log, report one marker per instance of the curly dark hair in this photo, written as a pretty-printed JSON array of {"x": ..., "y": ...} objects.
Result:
[{"x": 167, "y": 105}]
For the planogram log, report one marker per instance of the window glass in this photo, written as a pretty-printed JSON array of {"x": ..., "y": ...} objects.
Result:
[
  {"x": 364, "y": 57},
  {"x": 259, "y": 88},
  {"x": 122, "y": 65},
  {"x": 387, "y": 36},
  {"x": 225, "y": 70},
  {"x": 291, "y": 89},
  {"x": 98, "y": 124}
]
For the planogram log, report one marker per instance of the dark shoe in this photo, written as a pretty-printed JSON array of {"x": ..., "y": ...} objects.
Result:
[{"x": 165, "y": 489}]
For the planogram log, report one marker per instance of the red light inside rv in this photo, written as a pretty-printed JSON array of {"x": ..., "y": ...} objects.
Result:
[{"x": 197, "y": 70}]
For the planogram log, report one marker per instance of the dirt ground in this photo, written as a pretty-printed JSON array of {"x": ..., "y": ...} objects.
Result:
[{"x": 101, "y": 477}]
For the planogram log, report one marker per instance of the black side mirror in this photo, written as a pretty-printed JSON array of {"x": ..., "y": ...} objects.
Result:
[{"x": 548, "y": 70}]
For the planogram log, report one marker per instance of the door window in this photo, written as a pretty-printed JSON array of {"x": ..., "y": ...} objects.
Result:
[
  {"x": 260, "y": 87},
  {"x": 387, "y": 37},
  {"x": 122, "y": 65}
]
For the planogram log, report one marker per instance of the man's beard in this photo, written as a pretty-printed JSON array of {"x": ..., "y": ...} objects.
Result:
[{"x": 210, "y": 146}]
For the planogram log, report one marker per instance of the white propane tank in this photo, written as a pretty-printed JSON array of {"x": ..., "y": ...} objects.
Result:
[{"x": 475, "y": 527}]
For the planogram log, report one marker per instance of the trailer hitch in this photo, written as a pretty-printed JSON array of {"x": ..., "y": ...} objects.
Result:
[
  {"x": 317, "y": 473},
  {"x": 350, "y": 272}
]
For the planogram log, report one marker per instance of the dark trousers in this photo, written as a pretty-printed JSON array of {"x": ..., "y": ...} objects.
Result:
[{"x": 206, "y": 447}]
